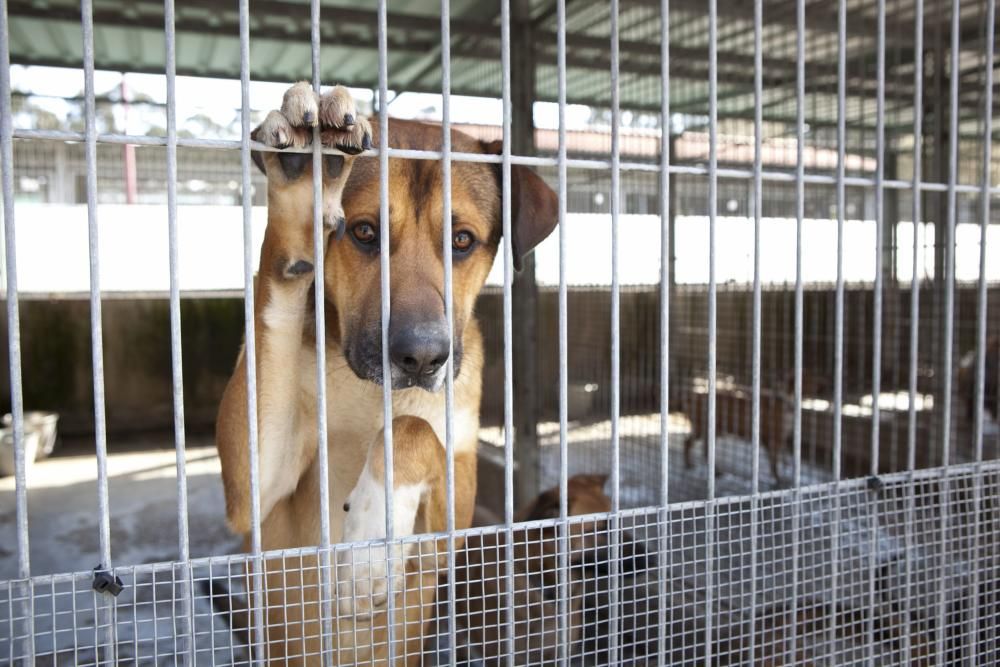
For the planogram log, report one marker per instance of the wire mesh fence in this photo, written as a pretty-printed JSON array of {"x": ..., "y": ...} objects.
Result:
[
  {"x": 764, "y": 613},
  {"x": 762, "y": 360}
]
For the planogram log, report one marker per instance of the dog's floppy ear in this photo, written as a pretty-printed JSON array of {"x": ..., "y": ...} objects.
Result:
[{"x": 534, "y": 206}]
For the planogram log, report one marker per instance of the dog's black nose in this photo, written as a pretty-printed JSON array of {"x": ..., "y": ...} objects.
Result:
[{"x": 419, "y": 350}]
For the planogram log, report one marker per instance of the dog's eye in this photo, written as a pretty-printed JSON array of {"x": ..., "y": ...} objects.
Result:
[
  {"x": 462, "y": 241},
  {"x": 364, "y": 233}
]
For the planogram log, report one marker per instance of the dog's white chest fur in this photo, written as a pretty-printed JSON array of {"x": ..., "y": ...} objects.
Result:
[{"x": 355, "y": 417}]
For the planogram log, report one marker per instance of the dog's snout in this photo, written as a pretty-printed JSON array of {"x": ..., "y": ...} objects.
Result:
[{"x": 419, "y": 350}]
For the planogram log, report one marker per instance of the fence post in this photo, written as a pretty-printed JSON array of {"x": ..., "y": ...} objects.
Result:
[
  {"x": 939, "y": 215},
  {"x": 525, "y": 295}
]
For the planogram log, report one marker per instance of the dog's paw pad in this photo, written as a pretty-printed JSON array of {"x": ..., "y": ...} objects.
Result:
[
  {"x": 299, "y": 105},
  {"x": 299, "y": 269}
]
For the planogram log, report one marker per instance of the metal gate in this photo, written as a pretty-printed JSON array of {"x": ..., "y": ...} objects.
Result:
[{"x": 873, "y": 542}]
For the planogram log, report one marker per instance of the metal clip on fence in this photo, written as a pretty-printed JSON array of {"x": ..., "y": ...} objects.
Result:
[{"x": 106, "y": 582}]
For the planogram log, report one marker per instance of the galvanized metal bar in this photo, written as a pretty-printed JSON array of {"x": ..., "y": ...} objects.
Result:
[
  {"x": 96, "y": 332},
  {"x": 176, "y": 359},
  {"x": 508, "y": 357},
  {"x": 449, "y": 311},
  {"x": 563, "y": 554},
  {"x": 531, "y": 161},
  {"x": 319, "y": 299},
  {"x": 614, "y": 523},
  {"x": 758, "y": 209},
  {"x": 666, "y": 285},
  {"x": 257, "y": 651},
  {"x": 26, "y": 611},
  {"x": 838, "y": 325},
  {"x": 385, "y": 227},
  {"x": 980, "y": 377},
  {"x": 877, "y": 313},
  {"x": 713, "y": 205},
  {"x": 800, "y": 198},
  {"x": 949, "y": 331},
  {"x": 911, "y": 418},
  {"x": 106, "y": 629}
]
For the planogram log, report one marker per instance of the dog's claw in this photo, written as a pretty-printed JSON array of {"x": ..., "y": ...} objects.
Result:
[{"x": 349, "y": 149}]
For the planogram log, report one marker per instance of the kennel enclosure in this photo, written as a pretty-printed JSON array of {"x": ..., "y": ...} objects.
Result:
[{"x": 787, "y": 199}]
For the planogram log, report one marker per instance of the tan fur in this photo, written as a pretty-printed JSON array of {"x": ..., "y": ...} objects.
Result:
[{"x": 286, "y": 365}]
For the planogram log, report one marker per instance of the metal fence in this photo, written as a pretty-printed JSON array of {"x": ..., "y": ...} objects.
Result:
[{"x": 871, "y": 548}]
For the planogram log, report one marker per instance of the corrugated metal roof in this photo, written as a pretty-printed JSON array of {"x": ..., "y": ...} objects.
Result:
[{"x": 129, "y": 37}]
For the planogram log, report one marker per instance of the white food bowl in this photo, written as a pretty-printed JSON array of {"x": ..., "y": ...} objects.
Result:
[{"x": 39, "y": 438}]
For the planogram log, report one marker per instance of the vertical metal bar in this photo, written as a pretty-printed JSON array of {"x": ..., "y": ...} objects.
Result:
[
  {"x": 563, "y": 621},
  {"x": 977, "y": 438},
  {"x": 96, "y": 332},
  {"x": 14, "y": 334},
  {"x": 613, "y": 612},
  {"x": 758, "y": 92},
  {"x": 800, "y": 140},
  {"x": 949, "y": 332},
  {"x": 385, "y": 228},
  {"x": 911, "y": 432},
  {"x": 250, "y": 347},
  {"x": 95, "y": 283},
  {"x": 319, "y": 257},
  {"x": 877, "y": 315},
  {"x": 838, "y": 326},
  {"x": 665, "y": 287},
  {"x": 713, "y": 205},
  {"x": 176, "y": 359},
  {"x": 508, "y": 358},
  {"x": 449, "y": 309}
]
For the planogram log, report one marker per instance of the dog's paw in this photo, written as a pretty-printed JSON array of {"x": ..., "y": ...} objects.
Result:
[
  {"x": 343, "y": 127},
  {"x": 300, "y": 106},
  {"x": 363, "y": 582},
  {"x": 334, "y": 112},
  {"x": 276, "y": 131}
]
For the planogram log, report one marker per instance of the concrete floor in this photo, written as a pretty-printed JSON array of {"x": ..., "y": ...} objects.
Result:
[{"x": 63, "y": 516}]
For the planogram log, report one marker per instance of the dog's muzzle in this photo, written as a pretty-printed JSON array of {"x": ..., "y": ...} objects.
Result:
[
  {"x": 418, "y": 353},
  {"x": 418, "y": 356}
]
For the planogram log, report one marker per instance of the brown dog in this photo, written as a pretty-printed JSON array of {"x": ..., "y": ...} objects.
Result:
[
  {"x": 733, "y": 406},
  {"x": 481, "y": 589},
  {"x": 418, "y": 340},
  {"x": 732, "y": 417}
]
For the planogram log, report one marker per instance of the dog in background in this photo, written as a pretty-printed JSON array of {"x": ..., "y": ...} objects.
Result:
[
  {"x": 481, "y": 588},
  {"x": 733, "y": 407},
  {"x": 419, "y": 343}
]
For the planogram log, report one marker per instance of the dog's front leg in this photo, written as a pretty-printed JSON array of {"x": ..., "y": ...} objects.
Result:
[
  {"x": 283, "y": 301},
  {"x": 418, "y": 470}
]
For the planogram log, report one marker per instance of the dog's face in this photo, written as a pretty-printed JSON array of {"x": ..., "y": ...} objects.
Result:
[{"x": 418, "y": 331}]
